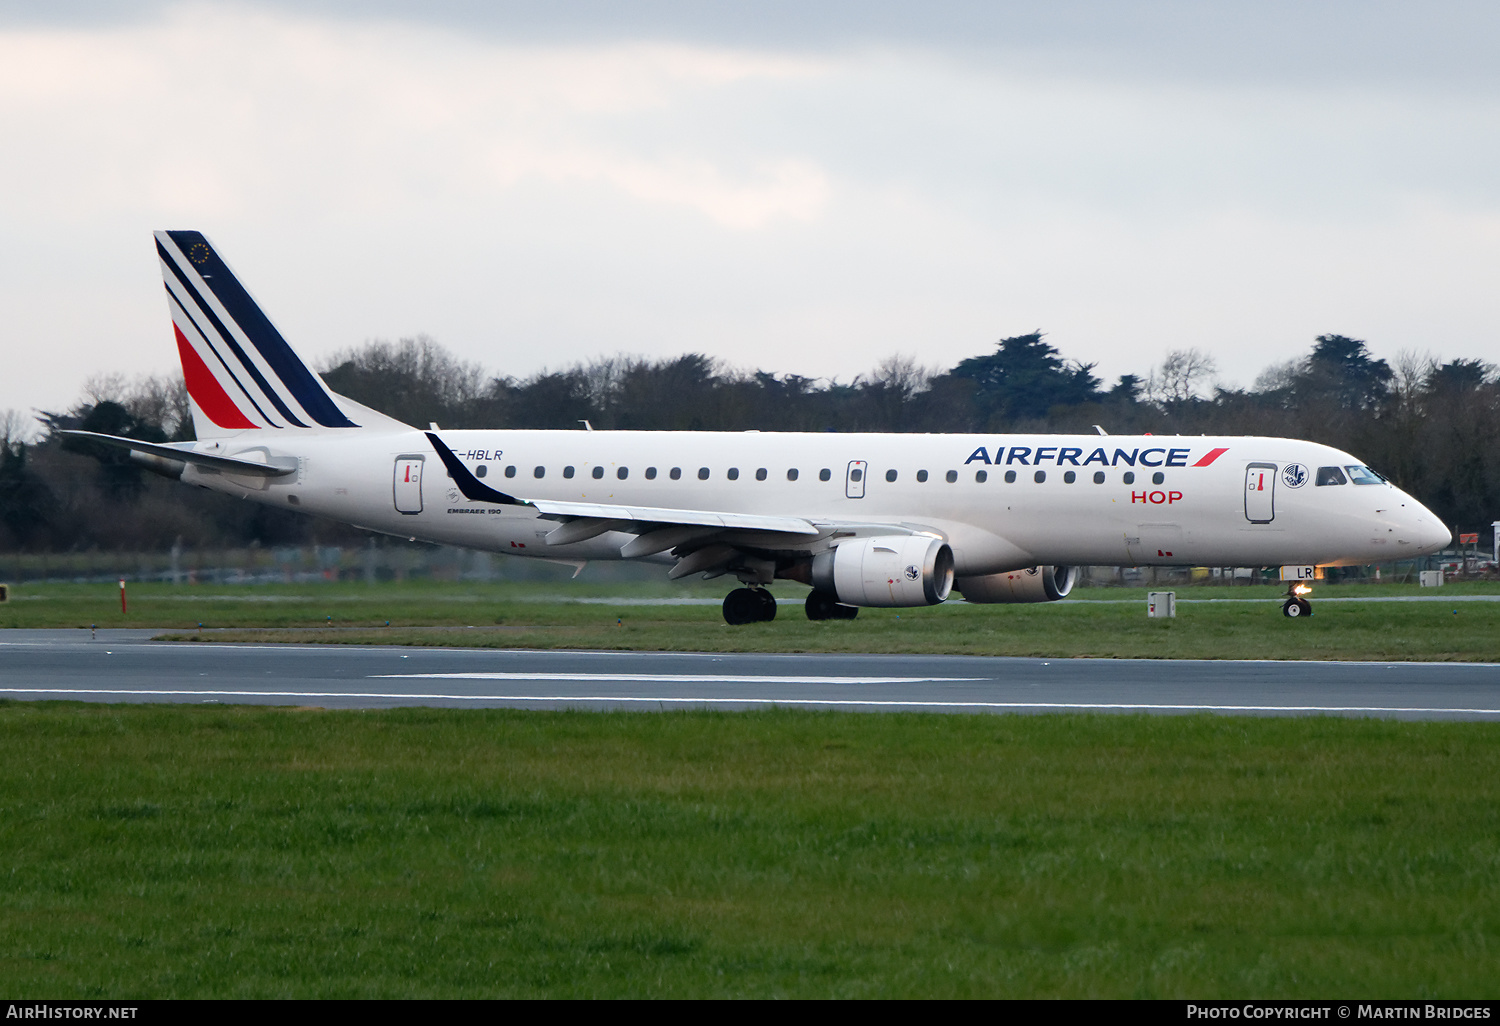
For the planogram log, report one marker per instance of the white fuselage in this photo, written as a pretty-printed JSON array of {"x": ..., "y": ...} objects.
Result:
[{"x": 1186, "y": 504}]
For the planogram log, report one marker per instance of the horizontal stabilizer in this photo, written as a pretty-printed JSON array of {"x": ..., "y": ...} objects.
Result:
[{"x": 283, "y": 466}]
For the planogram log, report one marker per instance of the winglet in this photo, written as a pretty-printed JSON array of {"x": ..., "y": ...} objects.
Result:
[{"x": 467, "y": 483}]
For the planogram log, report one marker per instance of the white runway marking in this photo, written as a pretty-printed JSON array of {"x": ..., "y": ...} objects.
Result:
[
  {"x": 720, "y": 700},
  {"x": 674, "y": 678}
]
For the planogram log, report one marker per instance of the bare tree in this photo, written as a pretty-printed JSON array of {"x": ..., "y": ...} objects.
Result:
[
  {"x": 159, "y": 400},
  {"x": 15, "y": 427},
  {"x": 901, "y": 375},
  {"x": 1183, "y": 375},
  {"x": 1279, "y": 376},
  {"x": 105, "y": 388},
  {"x": 414, "y": 380},
  {"x": 150, "y": 399},
  {"x": 1411, "y": 371}
]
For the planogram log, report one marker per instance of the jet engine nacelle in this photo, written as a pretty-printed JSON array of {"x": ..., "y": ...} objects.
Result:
[
  {"x": 1034, "y": 584},
  {"x": 888, "y": 570}
]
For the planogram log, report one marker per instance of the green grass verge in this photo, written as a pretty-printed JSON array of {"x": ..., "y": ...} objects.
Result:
[
  {"x": 1380, "y": 632},
  {"x": 438, "y": 603},
  {"x": 1098, "y": 622},
  {"x": 160, "y": 851}
]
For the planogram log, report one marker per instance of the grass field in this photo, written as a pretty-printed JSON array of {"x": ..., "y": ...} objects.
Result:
[
  {"x": 156, "y": 851},
  {"x": 1107, "y": 622}
]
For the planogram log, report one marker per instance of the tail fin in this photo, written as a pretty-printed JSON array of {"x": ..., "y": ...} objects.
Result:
[{"x": 240, "y": 372}]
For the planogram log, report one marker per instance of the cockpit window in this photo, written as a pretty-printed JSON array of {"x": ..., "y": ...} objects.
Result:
[
  {"x": 1331, "y": 476},
  {"x": 1364, "y": 476}
]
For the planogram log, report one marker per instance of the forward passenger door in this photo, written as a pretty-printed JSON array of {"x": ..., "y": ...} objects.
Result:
[
  {"x": 854, "y": 479},
  {"x": 1260, "y": 493}
]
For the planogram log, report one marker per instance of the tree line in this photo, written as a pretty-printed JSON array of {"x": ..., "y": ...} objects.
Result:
[{"x": 1433, "y": 427}]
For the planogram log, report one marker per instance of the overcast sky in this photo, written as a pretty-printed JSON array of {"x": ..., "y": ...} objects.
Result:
[{"x": 795, "y": 187}]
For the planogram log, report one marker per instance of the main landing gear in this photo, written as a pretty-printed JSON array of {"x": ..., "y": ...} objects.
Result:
[
  {"x": 755, "y": 605},
  {"x": 823, "y": 606},
  {"x": 748, "y": 605}
]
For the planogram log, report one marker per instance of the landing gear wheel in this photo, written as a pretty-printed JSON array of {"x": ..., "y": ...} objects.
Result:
[
  {"x": 767, "y": 604},
  {"x": 748, "y": 605},
  {"x": 1296, "y": 607},
  {"x": 823, "y": 606}
]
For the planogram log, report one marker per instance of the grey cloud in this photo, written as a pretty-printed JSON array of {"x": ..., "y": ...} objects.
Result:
[{"x": 1279, "y": 43}]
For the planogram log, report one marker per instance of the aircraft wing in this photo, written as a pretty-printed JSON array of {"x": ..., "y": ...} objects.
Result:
[
  {"x": 703, "y": 540},
  {"x": 646, "y": 515}
]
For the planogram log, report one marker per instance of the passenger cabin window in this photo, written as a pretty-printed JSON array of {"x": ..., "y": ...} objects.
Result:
[
  {"x": 981, "y": 476},
  {"x": 1158, "y": 477},
  {"x": 676, "y": 474},
  {"x": 733, "y": 473},
  {"x": 702, "y": 473},
  {"x": 921, "y": 475},
  {"x": 1129, "y": 477},
  {"x": 1069, "y": 477},
  {"x": 951, "y": 476},
  {"x": 1364, "y": 476},
  {"x": 1039, "y": 476},
  {"x": 856, "y": 475},
  {"x": 1098, "y": 477},
  {"x": 510, "y": 471},
  {"x": 622, "y": 473},
  {"x": 598, "y": 473},
  {"x": 567, "y": 472},
  {"x": 1331, "y": 476},
  {"x": 481, "y": 470},
  {"x": 791, "y": 474},
  {"x": 760, "y": 474},
  {"x": 890, "y": 475},
  {"x": 539, "y": 472},
  {"x": 650, "y": 473},
  {"x": 824, "y": 474},
  {"x": 1010, "y": 477}
]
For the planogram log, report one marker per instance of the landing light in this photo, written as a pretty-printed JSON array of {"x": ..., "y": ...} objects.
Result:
[{"x": 1301, "y": 589}]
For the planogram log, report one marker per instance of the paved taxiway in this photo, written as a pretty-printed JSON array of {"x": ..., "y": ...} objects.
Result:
[{"x": 126, "y": 666}]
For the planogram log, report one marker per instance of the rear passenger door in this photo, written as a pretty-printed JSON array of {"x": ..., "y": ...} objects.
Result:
[{"x": 408, "y": 484}]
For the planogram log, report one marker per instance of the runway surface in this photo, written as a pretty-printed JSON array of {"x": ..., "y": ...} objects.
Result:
[{"x": 126, "y": 666}]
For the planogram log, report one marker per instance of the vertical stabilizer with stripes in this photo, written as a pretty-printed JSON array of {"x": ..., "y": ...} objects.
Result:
[{"x": 241, "y": 374}]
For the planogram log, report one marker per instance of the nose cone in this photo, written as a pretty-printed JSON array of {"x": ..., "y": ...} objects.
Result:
[{"x": 1431, "y": 535}]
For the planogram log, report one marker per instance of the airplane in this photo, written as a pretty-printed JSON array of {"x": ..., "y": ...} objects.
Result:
[{"x": 865, "y": 519}]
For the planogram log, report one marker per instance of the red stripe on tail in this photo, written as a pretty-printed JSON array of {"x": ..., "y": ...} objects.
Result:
[
  {"x": 205, "y": 388},
  {"x": 1213, "y": 454}
]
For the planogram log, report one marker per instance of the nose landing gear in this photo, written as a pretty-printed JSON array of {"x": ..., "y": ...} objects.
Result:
[
  {"x": 749, "y": 605},
  {"x": 1295, "y": 605}
]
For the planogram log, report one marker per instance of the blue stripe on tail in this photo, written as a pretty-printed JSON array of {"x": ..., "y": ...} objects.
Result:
[
  {"x": 228, "y": 337},
  {"x": 299, "y": 381}
]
